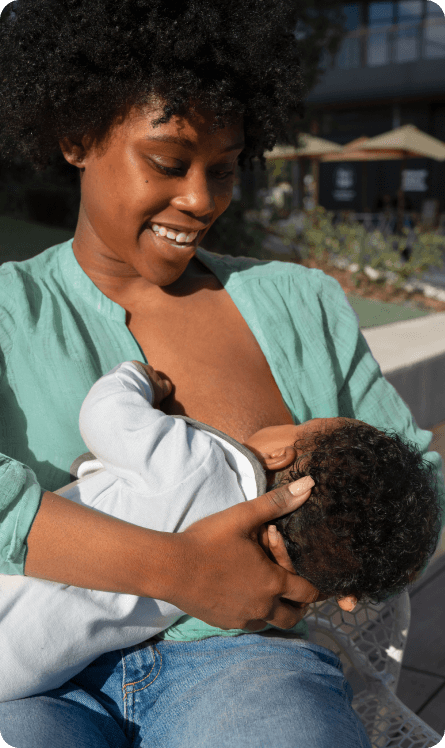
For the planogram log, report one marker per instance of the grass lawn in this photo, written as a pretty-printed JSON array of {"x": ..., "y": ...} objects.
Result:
[{"x": 372, "y": 313}]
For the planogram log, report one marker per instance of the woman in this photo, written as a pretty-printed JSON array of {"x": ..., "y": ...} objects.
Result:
[{"x": 154, "y": 102}]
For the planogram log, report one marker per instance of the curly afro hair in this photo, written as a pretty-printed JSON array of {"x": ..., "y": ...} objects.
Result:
[
  {"x": 71, "y": 68},
  {"x": 373, "y": 518}
]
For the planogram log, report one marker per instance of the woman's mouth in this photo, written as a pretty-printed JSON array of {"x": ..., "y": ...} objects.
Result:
[{"x": 180, "y": 238}]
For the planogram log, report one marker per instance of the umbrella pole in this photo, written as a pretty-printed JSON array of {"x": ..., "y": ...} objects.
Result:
[
  {"x": 316, "y": 176},
  {"x": 401, "y": 198},
  {"x": 301, "y": 163},
  {"x": 296, "y": 187},
  {"x": 364, "y": 185}
]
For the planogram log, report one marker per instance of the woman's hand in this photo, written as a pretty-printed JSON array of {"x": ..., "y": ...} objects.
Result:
[
  {"x": 224, "y": 577},
  {"x": 215, "y": 570}
]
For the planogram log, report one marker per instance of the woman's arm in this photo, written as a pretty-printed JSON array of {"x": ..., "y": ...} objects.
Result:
[{"x": 215, "y": 570}]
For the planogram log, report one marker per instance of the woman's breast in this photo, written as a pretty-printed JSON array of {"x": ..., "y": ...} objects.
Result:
[{"x": 219, "y": 372}]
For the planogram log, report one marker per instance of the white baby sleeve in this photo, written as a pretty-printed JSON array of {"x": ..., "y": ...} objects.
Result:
[{"x": 133, "y": 440}]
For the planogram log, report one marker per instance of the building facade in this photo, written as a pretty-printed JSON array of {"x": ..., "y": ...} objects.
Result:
[{"x": 389, "y": 71}]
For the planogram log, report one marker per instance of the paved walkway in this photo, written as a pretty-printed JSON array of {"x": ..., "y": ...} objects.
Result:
[
  {"x": 422, "y": 679},
  {"x": 412, "y": 356}
]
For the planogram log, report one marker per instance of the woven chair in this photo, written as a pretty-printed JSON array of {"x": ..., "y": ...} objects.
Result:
[{"x": 370, "y": 643}]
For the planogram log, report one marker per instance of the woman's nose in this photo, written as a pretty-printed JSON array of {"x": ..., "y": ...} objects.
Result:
[{"x": 196, "y": 196}]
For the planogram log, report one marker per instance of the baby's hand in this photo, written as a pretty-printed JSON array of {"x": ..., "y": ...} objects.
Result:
[{"x": 161, "y": 387}]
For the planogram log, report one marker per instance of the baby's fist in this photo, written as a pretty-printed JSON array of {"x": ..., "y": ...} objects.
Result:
[{"x": 161, "y": 387}]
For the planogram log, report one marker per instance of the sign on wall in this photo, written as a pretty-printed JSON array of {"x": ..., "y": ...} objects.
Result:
[
  {"x": 414, "y": 180},
  {"x": 340, "y": 186}
]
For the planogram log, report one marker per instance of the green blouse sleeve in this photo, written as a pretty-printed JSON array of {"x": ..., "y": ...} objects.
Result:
[
  {"x": 364, "y": 392},
  {"x": 20, "y": 493},
  {"x": 20, "y": 496}
]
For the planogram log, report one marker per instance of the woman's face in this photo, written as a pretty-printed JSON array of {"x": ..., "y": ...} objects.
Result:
[{"x": 145, "y": 181}]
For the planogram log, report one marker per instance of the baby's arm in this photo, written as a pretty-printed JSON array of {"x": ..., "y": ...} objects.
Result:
[{"x": 136, "y": 442}]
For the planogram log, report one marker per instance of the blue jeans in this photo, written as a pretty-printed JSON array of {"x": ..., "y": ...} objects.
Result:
[{"x": 249, "y": 691}]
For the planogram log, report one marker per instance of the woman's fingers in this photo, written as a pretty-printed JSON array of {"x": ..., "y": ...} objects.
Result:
[
  {"x": 235, "y": 584},
  {"x": 272, "y": 504},
  {"x": 286, "y": 612}
]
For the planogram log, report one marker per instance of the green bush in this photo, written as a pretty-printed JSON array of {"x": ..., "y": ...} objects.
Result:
[{"x": 349, "y": 243}]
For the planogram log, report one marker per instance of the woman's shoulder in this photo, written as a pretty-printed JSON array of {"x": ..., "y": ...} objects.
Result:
[
  {"x": 19, "y": 279},
  {"x": 287, "y": 277}
]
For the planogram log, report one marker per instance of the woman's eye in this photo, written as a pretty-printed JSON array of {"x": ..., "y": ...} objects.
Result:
[
  {"x": 171, "y": 171},
  {"x": 181, "y": 170},
  {"x": 174, "y": 171},
  {"x": 223, "y": 174}
]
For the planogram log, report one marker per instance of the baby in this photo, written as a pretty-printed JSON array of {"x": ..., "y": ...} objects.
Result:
[
  {"x": 372, "y": 520},
  {"x": 368, "y": 527}
]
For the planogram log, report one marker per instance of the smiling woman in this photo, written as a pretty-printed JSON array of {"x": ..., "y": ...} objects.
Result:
[
  {"x": 150, "y": 194},
  {"x": 154, "y": 102}
]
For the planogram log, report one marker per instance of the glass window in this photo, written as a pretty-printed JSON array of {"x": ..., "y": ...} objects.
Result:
[
  {"x": 407, "y": 10},
  {"x": 433, "y": 9},
  {"x": 348, "y": 55},
  {"x": 352, "y": 16},
  {"x": 407, "y": 36},
  {"x": 434, "y": 32},
  {"x": 381, "y": 14}
]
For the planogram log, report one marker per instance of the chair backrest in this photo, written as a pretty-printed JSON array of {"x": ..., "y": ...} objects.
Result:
[{"x": 370, "y": 643}]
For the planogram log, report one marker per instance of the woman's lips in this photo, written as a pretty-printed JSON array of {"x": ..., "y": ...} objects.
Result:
[{"x": 173, "y": 242}]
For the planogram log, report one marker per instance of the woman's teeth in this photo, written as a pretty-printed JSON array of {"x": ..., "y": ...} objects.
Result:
[{"x": 179, "y": 236}]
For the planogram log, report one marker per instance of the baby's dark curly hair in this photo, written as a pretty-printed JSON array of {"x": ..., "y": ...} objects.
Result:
[
  {"x": 71, "y": 68},
  {"x": 373, "y": 518}
]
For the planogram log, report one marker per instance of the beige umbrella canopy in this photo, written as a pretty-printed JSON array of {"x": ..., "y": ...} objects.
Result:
[
  {"x": 398, "y": 144},
  {"x": 355, "y": 151},
  {"x": 311, "y": 148},
  {"x": 409, "y": 142}
]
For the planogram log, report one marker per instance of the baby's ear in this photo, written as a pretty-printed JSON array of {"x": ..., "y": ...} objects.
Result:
[
  {"x": 279, "y": 458},
  {"x": 347, "y": 603}
]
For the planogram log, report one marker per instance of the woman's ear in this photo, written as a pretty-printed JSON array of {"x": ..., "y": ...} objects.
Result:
[
  {"x": 279, "y": 458},
  {"x": 74, "y": 151}
]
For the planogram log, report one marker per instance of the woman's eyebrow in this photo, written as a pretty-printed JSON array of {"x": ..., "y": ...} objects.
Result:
[{"x": 186, "y": 143}]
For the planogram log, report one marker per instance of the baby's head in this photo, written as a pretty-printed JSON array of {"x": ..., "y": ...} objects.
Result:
[{"x": 372, "y": 520}]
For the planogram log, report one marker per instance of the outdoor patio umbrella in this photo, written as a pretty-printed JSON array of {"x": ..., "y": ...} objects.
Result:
[
  {"x": 410, "y": 143},
  {"x": 355, "y": 151},
  {"x": 311, "y": 148},
  {"x": 398, "y": 144}
]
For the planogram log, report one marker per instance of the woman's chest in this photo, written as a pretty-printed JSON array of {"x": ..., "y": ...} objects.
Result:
[{"x": 219, "y": 372}]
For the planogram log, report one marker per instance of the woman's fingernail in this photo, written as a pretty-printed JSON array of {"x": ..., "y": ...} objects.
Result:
[{"x": 301, "y": 486}]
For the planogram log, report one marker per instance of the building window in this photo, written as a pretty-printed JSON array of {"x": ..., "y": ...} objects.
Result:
[
  {"x": 349, "y": 53},
  {"x": 383, "y": 32},
  {"x": 380, "y": 19},
  {"x": 433, "y": 32},
  {"x": 407, "y": 36}
]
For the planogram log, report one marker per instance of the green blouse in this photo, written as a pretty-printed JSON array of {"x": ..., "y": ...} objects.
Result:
[{"x": 59, "y": 334}]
